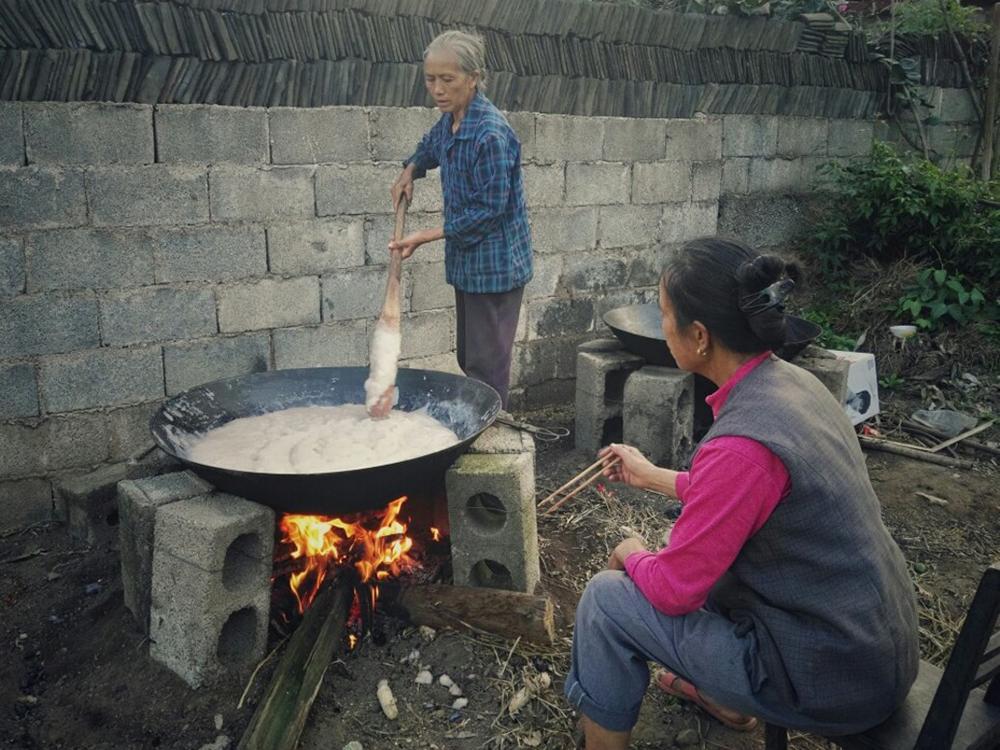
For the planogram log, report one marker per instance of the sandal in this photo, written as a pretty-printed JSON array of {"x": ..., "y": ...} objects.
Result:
[{"x": 677, "y": 686}]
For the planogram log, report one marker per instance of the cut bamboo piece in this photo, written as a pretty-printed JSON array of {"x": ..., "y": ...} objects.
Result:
[
  {"x": 887, "y": 446},
  {"x": 959, "y": 438}
]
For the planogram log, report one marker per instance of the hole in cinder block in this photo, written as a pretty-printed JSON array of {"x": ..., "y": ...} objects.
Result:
[
  {"x": 614, "y": 386},
  {"x": 240, "y": 566},
  {"x": 611, "y": 431},
  {"x": 486, "y": 511},
  {"x": 236, "y": 641},
  {"x": 111, "y": 519},
  {"x": 491, "y": 574}
]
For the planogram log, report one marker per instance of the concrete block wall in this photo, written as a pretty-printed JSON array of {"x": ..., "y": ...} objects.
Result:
[{"x": 148, "y": 249}]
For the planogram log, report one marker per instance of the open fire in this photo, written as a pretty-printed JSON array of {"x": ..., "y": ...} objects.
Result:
[{"x": 377, "y": 545}]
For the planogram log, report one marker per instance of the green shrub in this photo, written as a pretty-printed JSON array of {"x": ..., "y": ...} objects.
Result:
[
  {"x": 889, "y": 206},
  {"x": 927, "y": 18},
  {"x": 939, "y": 298}
]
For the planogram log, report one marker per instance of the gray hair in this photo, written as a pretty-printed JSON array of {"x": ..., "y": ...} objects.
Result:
[{"x": 468, "y": 48}]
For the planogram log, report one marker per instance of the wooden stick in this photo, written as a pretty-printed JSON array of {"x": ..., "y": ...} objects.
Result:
[
  {"x": 963, "y": 436},
  {"x": 887, "y": 446},
  {"x": 281, "y": 714},
  {"x": 569, "y": 496},
  {"x": 511, "y": 614},
  {"x": 911, "y": 426},
  {"x": 578, "y": 477}
]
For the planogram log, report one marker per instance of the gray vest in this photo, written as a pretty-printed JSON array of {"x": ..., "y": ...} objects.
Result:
[{"x": 822, "y": 584}]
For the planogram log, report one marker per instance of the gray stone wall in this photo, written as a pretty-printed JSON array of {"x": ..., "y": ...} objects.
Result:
[{"x": 145, "y": 250}]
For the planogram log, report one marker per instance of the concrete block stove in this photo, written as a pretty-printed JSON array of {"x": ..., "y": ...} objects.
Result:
[{"x": 197, "y": 565}]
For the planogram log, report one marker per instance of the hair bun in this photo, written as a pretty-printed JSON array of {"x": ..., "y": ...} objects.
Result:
[{"x": 763, "y": 284}]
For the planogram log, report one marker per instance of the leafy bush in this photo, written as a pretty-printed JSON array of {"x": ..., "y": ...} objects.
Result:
[
  {"x": 829, "y": 338},
  {"x": 938, "y": 298},
  {"x": 928, "y": 18},
  {"x": 889, "y": 206}
]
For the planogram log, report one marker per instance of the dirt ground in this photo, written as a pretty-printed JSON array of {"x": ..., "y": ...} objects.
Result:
[{"x": 76, "y": 671}]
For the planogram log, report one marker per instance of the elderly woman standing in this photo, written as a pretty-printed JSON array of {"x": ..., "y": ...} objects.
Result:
[
  {"x": 780, "y": 594},
  {"x": 487, "y": 240}
]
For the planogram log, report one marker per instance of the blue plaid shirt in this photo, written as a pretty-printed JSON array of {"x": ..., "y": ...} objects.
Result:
[{"x": 487, "y": 240}]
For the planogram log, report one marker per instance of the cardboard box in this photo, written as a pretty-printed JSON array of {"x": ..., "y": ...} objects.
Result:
[{"x": 861, "y": 401}]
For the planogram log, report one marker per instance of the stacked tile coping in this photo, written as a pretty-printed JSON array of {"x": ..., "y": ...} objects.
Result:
[{"x": 196, "y": 570}]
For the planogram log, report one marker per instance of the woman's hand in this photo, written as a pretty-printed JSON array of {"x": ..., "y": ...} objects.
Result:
[
  {"x": 623, "y": 550},
  {"x": 633, "y": 468},
  {"x": 408, "y": 244},
  {"x": 403, "y": 185}
]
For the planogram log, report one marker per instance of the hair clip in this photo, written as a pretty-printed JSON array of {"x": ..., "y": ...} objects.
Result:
[{"x": 768, "y": 298}]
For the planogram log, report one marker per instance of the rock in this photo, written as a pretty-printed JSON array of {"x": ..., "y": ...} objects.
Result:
[
  {"x": 218, "y": 722},
  {"x": 445, "y": 681},
  {"x": 386, "y": 700},
  {"x": 354, "y": 745},
  {"x": 455, "y": 690},
  {"x": 427, "y": 633},
  {"x": 687, "y": 738},
  {"x": 411, "y": 658},
  {"x": 460, "y": 703},
  {"x": 424, "y": 678},
  {"x": 221, "y": 742}
]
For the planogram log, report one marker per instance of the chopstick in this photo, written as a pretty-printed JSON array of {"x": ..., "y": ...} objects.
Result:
[{"x": 581, "y": 481}]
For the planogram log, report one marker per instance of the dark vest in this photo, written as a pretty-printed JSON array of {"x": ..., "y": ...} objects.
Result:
[{"x": 822, "y": 584}]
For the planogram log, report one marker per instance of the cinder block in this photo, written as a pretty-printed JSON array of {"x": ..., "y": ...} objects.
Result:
[
  {"x": 956, "y": 106},
  {"x": 199, "y": 134},
  {"x": 596, "y": 184},
  {"x": 800, "y": 136},
  {"x": 379, "y": 230},
  {"x": 11, "y": 266},
  {"x": 268, "y": 303},
  {"x": 358, "y": 189},
  {"x": 542, "y": 361},
  {"x": 850, "y": 137},
  {"x": 261, "y": 194},
  {"x": 596, "y": 271},
  {"x": 211, "y": 586},
  {"x": 157, "y": 314},
  {"x": 749, "y": 135},
  {"x": 491, "y": 510},
  {"x": 88, "y": 133},
  {"x": 42, "y": 198},
  {"x": 602, "y": 367},
  {"x": 189, "y": 364},
  {"x": 395, "y": 131},
  {"x": 735, "y": 176},
  {"x": 687, "y": 221},
  {"x": 128, "y": 430},
  {"x": 706, "y": 183},
  {"x": 319, "y": 135},
  {"x": 694, "y": 140},
  {"x": 427, "y": 333},
  {"x": 100, "y": 377},
  {"x": 503, "y": 439},
  {"x": 427, "y": 194},
  {"x": 428, "y": 288},
  {"x": 338, "y": 345},
  {"x": 213, "y": 253},
  {"x": 11, "y": 134},
  {"x": 558, "y": 230},
  {"x": 41, "y": 447},
  {"x": 355, "y": 293},
  {"x": 157, "y": 194},
  {"x": 23, "y": 503},
  {"x": 762, "y": 220},
  {"x": 316, "y": 246},
  {"x": 524, "y": 125},
  {"x": 20, "y": 392},
  {"x": 658, "y": 414},
  {"x": 46, "y": 324},
  {"x": 828, "y": 369},
  {"x": 775, "y": 175},
  {"x": 559, "y": 317},
  {"x": 634, "y": 139},
  {"x": 544, "y": 185},
  {"x": 566, "y": 138},
  {"x": 87, "y": 259},
  {"x": 138, "y": 501},
  {"x": 623, "y": 226},
  {"x": 661, "y": 182}
]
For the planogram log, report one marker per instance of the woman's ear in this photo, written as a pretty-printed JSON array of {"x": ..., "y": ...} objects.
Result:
[{"x": 702, "y": 337}]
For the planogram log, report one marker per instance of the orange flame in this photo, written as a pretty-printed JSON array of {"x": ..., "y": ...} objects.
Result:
[
  {"x": 322, "y": 540},
  {"x": 435, "y": 534}
]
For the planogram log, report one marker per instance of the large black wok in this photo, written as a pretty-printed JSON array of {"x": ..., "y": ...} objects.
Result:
[
  {"x": 466, "y": 406},
  {"x": 638, "y": 328}
]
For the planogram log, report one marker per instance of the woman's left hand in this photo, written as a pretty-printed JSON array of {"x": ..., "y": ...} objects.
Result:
[
  {"x": 408, "y": 244},
  {"x": 623, "y": 550}
]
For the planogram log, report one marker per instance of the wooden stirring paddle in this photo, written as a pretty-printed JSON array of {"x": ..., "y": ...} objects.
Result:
[{"x": 383, "y": 357}]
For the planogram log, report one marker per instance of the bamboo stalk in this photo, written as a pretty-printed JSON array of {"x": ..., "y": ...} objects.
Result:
[
  {"x": 577, "y": 490},
  {"x": 281, "y": 715},
  {"x": 887, "y": 446},
  {"x": 573, "y": 480},
  {"x": 962, "y": 436},
  {"x": 992, "y": 101},
  {"x": 967, "y": 443}
]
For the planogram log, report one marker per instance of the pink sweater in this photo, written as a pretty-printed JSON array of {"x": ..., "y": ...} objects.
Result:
[{"x": 732, "y": 488}]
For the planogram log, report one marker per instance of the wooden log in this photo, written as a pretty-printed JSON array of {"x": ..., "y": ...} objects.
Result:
[
  {"x": 887, "y": 446},
  {"x": 510, "y": 614},
  {"x": 281, "y": 714}
]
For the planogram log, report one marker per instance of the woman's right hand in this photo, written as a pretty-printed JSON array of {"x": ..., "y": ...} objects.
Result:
[
  {"x": 403, "y": 185},
  {"x": 632, "y": 468}
]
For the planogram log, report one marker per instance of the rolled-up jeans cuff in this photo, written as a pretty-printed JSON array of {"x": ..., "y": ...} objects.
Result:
[{"x": 613, "y": 721}]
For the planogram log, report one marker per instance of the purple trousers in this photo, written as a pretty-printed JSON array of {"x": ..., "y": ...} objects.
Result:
[{"x": 485, "y": 326}]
